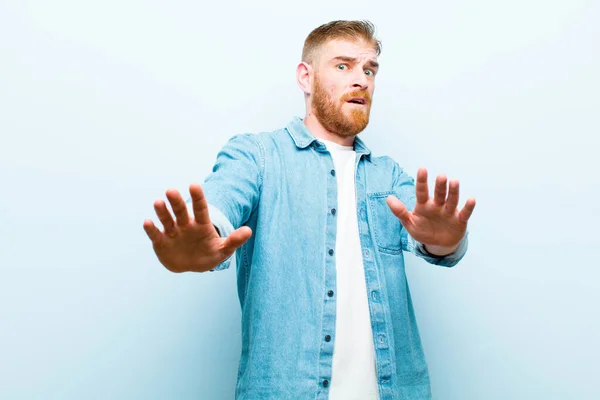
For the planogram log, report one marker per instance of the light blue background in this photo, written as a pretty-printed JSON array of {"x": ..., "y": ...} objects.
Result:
[{"x": 104, "y": 105}]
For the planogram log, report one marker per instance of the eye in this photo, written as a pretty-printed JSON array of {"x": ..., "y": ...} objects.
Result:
[
  {"x": 342, "y": 67},
  {"x": 369, "y": 72}
]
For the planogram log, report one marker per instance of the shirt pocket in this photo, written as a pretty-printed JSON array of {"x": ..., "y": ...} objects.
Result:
[{"x": 386, "y": 227}]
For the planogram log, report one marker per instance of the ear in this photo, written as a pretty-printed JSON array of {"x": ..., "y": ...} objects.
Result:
[{"x": 304, "y": 74}]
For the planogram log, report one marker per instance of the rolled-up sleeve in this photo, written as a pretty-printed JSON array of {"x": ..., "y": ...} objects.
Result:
[{"x": 449, "y": 260}]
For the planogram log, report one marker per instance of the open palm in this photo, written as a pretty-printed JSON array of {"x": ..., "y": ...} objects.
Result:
[
  {"x": 434, "y": 221},
  {"x": 190, "y": 242}
]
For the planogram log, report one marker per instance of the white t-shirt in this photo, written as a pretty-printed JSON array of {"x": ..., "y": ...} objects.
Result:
[{"x": 354, "y": 374}]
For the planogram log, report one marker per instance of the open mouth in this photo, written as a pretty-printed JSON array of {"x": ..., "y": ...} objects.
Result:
[{"x": 357, "y": 100}]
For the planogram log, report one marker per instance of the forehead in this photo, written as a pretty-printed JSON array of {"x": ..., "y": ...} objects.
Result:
[{"x": 360, "y": 49}]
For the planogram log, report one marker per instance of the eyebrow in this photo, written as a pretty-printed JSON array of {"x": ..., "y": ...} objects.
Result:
[{"x": 371, "y": 63}]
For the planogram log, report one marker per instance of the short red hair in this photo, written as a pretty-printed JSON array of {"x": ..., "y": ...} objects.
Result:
[{"x": 351, "y": 30}]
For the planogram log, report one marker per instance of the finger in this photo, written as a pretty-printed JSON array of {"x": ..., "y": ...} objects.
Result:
[
  {"x": 422, "y": 189},
  {"x": 399, "y": 209},
  {"x": 179, "y": 208},
  {"x": 153, "y": 232},
  {"x": 452, "y": 200},
  {"x": 467, "y": 210},
  {"x": 236, "y": 239},
  {"x": 199, "y": 204},
  {"x": 165, "y": 217},
  {"x": 439, "y": 196}
]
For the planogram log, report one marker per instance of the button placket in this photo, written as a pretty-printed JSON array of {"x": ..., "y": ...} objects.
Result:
[
  {"x": 328, "y": 322},
  {"x": 367, "y": 254},
  {"x": 374, "y": 295}
]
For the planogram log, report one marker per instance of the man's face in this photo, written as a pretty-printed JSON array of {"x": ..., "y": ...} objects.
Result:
[{"x": 344, "y": 82}]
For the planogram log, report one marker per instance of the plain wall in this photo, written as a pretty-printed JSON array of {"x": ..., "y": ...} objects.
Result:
[{"x": 104, "y": 105}]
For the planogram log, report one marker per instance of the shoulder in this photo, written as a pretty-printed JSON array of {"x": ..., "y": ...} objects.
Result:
[
  {"x": 260, "y": 140},
  {"x": 386, "y": 163},
  {"x": 390, "y": 167}
]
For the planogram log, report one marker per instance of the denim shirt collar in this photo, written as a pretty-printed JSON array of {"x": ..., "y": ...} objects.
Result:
[{"x": 303, "y": 138}]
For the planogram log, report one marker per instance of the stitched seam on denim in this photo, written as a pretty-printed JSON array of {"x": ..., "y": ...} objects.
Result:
[
  {"x": 374, "y": 198},
  {"x": 262, "y": 161}
]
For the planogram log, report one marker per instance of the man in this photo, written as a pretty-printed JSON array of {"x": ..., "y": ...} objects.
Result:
[{"x": 316, "y": 226}]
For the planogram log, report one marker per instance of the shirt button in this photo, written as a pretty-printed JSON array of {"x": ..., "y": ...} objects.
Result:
[
  {"x": 330, "y": 252},
  {"x": 374, "y": 295},
  {"x": 333, "y": 211},
  {"x": 330, "y": 293},
  {"x": 327, "y": 338},
  {"x": 325, "y": 383},
  {"x": 332, "y": 172}
]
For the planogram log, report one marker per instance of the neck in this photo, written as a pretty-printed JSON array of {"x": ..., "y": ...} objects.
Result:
[{"x": 319, "y": 131}]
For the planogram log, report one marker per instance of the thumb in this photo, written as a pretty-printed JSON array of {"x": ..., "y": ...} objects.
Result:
[
  {"x": 399, "y": 209},
  {"x": 235, "y": 239}
]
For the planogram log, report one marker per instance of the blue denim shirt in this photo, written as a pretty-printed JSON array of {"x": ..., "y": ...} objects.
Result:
[{"x": 282, "y": 185}]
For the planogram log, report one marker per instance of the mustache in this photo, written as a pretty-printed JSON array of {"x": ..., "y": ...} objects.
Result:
[{"x": 358, "y": 93}]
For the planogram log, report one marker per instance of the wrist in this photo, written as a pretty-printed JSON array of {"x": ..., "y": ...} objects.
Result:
[{"x": 440, "y": 250}]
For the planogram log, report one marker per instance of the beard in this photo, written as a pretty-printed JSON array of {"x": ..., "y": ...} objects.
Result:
[{"x": 333, "y": 118}]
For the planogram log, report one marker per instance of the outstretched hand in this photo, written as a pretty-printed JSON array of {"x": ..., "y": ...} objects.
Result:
[
  {"x": 191, "y": 242},
  {"x": 434, "y": 221}
]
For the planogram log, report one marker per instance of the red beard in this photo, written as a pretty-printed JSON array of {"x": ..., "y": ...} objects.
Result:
[{"x": 333, "y": 118}]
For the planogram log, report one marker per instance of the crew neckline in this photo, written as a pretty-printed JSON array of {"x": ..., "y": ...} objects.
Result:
[{"x": 335, "y": 146}]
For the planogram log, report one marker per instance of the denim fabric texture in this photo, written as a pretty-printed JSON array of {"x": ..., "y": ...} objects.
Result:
[{"x": 282, "y": 185}]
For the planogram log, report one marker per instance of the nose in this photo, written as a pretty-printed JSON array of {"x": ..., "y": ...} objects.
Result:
[{"x": 360, "y": 80}]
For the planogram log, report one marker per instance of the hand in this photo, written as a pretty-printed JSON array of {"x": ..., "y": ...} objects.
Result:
[
  {"x": 192, "y": 243},
  {"x": 434, "y": 222}
]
